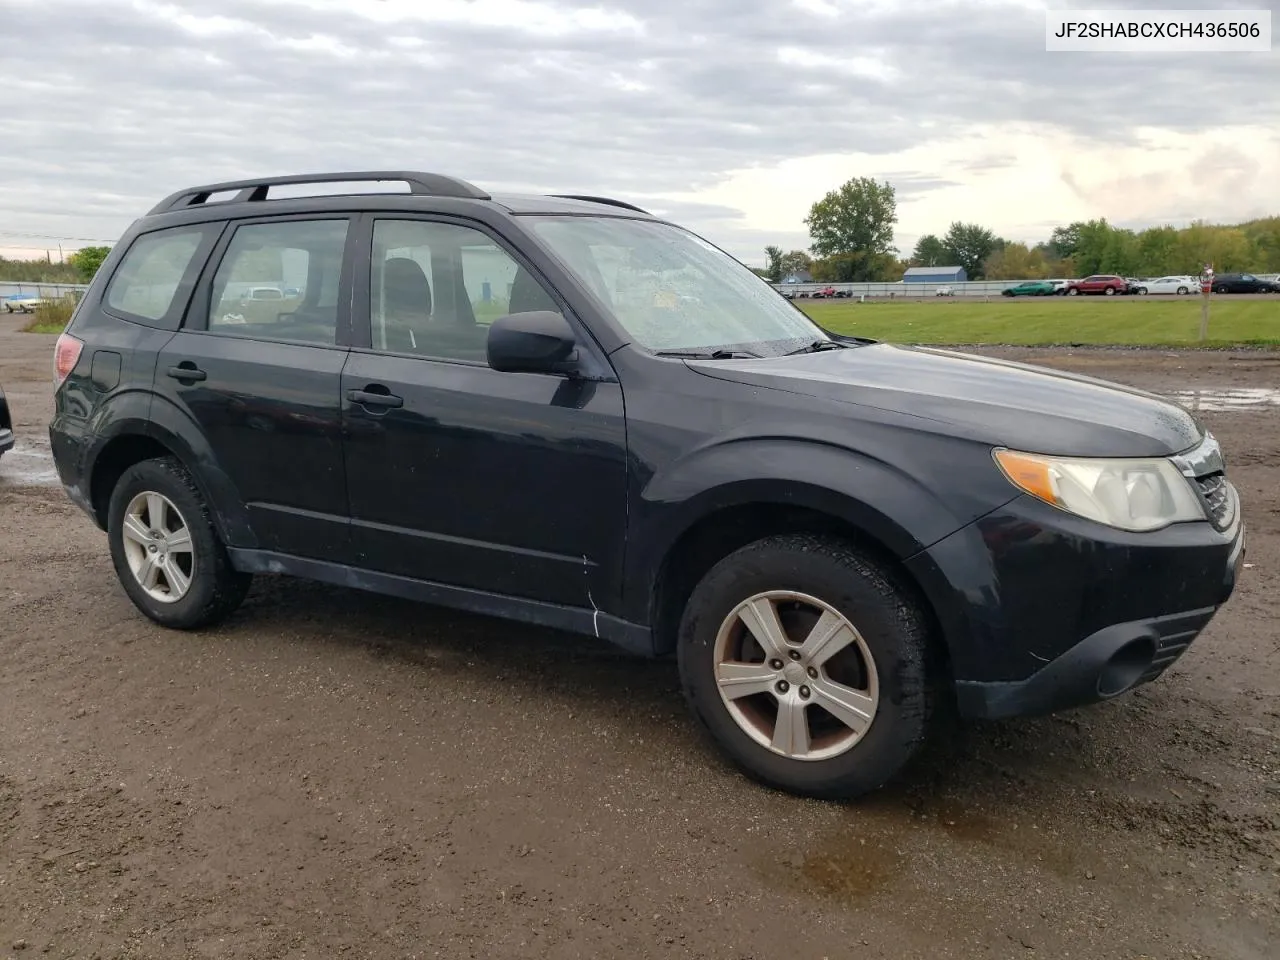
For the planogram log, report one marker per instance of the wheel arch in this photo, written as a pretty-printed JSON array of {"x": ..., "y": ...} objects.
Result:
[
  {"x": 167, "y": 432},
  {"x": 716, "y": 533}
]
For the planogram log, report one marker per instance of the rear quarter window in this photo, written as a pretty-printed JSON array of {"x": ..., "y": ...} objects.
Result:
[{"x": 154, "y": 280}]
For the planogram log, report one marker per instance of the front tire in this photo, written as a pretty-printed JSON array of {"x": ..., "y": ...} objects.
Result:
[
  {"x": 808, "y": 666},
  {"x": 166, "y": 549}
]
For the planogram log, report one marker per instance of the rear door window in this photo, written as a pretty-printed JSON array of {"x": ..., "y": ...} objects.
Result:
[{"x": 279, "y": 281}]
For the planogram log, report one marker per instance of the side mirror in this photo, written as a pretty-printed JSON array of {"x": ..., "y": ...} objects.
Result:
[{"x": 539, "y": 341}]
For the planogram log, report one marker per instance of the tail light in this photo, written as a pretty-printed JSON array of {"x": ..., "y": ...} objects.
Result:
[{"x": 66, "y": 354}]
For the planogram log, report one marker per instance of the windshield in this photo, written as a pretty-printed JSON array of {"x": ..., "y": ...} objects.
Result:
[{"x": 673, "y": 291}]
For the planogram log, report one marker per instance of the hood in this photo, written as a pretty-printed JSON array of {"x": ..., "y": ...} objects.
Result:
[{"x": 996, "y": 401}]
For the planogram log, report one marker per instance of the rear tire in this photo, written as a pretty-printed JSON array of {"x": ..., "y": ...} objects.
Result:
[
  {"x": 1073, "y": 293},
  {"x": 882, "y": 667},
  {"x": 166, "y": 549}
]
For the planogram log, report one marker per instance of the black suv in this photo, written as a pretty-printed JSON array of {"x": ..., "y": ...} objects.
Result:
[
  {"x": 565, "y": 411},
  {"x": 1243, "y": 283}
]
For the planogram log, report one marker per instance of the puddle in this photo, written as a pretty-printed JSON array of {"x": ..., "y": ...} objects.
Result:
[
  {"x": 1227, "y": 398},
  {"x": 29, "y": 463},
  {"x": 878, "y": 847}
]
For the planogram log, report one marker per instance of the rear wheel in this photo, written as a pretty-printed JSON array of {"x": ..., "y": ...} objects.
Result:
[
  {"x": 1183, "y": 291},
  {"x": 1223, "y": 289},
  {"x": 808, "y": 666},
  {"x": 166, "y": 550},
  {"x": 1073, "y": 292}
]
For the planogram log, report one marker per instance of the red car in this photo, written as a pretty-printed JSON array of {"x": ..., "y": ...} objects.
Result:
[{"x": 1098, "y": 283}]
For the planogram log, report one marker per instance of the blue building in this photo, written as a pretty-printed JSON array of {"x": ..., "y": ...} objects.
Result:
[{"x": 935, "y": 275}]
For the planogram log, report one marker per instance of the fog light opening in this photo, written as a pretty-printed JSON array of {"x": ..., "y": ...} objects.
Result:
[{"x": 1125, "y": 666}]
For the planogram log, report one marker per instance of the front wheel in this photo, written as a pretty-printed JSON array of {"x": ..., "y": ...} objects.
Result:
[
  {"x": 808, "y": 666},
  {"x": 166, "y": 550},
  {"x": 1183, "y": 291}
]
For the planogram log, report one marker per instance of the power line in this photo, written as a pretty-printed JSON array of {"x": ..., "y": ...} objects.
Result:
[{"x": 45, "y": 236}]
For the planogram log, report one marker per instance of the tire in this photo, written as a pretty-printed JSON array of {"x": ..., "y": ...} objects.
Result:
[
  {"x": 1073, "y": 292},
  {"x": 1110, "y": 291},
  {"x": 1223, "y": 289},
  {"x": 1141, "y": 291},
  {"x": 1183, "y": 291},
  {"x": 215, "y": 588},
  {"x": 887, "y": 625}
]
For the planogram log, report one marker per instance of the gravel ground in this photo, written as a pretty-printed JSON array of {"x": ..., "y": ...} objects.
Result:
[{"x": 333, "y": 774}]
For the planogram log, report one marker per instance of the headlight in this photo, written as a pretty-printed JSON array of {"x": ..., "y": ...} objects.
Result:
[{"x": 1137, "y": 495}]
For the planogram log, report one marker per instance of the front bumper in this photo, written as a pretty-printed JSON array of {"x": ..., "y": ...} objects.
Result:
[{"x": 1043, "y": 610}]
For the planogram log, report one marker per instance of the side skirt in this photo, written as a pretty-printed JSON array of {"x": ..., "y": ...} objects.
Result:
[{"x": 631, "y": 637}]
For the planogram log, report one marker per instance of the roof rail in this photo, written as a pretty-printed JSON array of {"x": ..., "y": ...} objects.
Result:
[
  {"x": 254, "y": 191},
  {"x": 608, "y": 200}
]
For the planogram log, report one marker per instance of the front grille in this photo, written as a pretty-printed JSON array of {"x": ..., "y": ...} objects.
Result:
[{"x": 1217, "y": 497}]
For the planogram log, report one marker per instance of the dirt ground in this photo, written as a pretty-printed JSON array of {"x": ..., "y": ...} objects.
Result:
[{"x": 333, "y": 774}]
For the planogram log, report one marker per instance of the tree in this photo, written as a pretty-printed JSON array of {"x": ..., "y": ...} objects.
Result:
[
  {"x": 796, "y": 261},
  {"x": 1014, "y": 261},
  {"x": 1065, "y": 240},
  {"x": 859, "y": 218},
  {"x": 87, "y": 260},
  {"x": 968, "y": 245},
  {"x": 773, "y": 263},
  {"x": 929, "y": 252},
  {"x": 857, "y": 268}
]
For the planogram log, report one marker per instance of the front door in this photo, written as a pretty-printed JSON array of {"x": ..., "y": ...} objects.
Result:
[
  {"x": 507, "y": 483},
  {"x": 258, "y": 365}
]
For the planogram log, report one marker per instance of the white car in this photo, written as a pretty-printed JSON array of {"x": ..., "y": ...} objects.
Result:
[
  {"x": 22, "y": 303},
  {"x": 1177, "y": 285},
  {"x": 945, "y": 292}
]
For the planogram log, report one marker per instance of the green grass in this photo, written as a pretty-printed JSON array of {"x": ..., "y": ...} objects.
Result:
[
  {"x": 1146, "y": 321},
  {"x": 51, "y": 317}
]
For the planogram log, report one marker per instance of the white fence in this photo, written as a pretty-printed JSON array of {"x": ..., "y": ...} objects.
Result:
[
  {"x": 900, "y": 291},
  {"x": 50, "y": 290},
  {"x": 973, "y": 288}
]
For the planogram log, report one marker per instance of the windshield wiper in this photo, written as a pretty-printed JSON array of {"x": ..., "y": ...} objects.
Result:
[
  {"x": 708, "y": 354},
  {"x": 817, "y": 346}
]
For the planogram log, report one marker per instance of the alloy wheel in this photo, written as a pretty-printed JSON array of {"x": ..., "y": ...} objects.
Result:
[
  {"x": 796, "y": 676},
  {"x": 157, "y": 544}
]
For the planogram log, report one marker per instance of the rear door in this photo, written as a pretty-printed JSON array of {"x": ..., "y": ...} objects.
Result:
[
  {"x": 260, "y": 374},
  {"x": 507, "y": 483}
]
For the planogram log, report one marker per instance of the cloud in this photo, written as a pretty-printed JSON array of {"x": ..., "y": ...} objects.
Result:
[{"x": 111, "y": 105}]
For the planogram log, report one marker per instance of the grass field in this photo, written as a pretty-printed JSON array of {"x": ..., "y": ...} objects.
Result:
[{"x": 1145, "y": 321}]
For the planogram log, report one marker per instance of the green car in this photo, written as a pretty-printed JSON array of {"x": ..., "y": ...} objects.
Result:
[{"x": 1031, "y": 288}]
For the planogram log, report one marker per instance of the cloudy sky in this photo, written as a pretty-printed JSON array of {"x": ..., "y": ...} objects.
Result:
[{"x": 732, "y": 116}]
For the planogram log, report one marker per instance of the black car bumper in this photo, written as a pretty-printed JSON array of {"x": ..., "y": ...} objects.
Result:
[
  {"x": 6, "y": 425},
  {"x": 1062, "y": 612}
]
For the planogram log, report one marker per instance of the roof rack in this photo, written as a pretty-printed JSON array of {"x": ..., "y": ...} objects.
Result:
[
  {"x": 611, "y": 202},
  {"x": 254, "y": 191}
]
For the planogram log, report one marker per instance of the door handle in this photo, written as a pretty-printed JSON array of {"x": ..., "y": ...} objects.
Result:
[
  {"x": 369, "y": 399},
  {"x": 181, "y": 372}
]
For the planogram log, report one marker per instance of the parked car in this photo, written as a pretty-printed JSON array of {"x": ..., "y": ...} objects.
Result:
[
  {"x": 1170, "y": 285},
  {"x": 22, "y": 303},
  {"x": 6, "y": 425},
  {"x": 1098, "y": 283},
  {"x": 1243, "y": 283},
  {"x": 945, "y": 291},
  {"x": 1029, "y": 288},
  {"x": 835, "y": 537}
]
